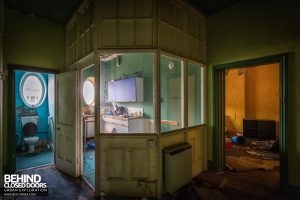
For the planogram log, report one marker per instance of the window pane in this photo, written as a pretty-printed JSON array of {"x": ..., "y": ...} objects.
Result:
[
  {"x": 88, "y": 123},
  {"x": 126, "y": 93},
  {"x": 195, "y": 96},
  {"x": 171, "y": 93}
]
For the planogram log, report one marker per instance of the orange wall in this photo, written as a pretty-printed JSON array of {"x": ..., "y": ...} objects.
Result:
[
  {"x": 253, "y": 95},
  {"x": 262, "y": 92},
  {"x": 234, "y": 100}
]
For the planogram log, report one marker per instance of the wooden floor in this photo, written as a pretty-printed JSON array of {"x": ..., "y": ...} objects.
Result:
[
  {"x": 206, "y": 186},
  {"x": 60, "y": 185}
]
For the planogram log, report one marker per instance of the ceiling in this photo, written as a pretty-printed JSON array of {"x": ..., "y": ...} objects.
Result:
[
  {"x": 56, "y": 10},
  {"x": 209, "y": 7},
  {"x": 62, "y": 10}
]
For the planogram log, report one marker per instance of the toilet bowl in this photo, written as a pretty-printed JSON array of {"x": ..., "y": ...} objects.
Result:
[
  {"x": 30, "y": 142},
  {"x": 29, "y": 128}
]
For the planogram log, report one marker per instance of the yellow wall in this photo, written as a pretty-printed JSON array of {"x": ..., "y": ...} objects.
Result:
[
  {"x": 262, "y": 92},
  {"x": 252, "y": 93},
  {"x": 253, "y": 29},
  {"x": 30, "y": 41},
  {"x": 235, "y": 100}
]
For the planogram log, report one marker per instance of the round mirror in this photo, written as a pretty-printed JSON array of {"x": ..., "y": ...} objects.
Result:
[
  {"x": 32, "y": 89},
  {"x": 88, "y": 91}
]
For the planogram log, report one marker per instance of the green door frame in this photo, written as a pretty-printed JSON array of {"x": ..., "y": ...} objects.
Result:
[
  {"x": 219, "y": 112},
  {"x": 11, "y": 153}
]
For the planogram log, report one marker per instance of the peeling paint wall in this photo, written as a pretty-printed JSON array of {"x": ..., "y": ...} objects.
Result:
[
  {"x": 252, "y": 93},
  {"x": 235, "y": 98},
  {"x": 262, "y": 93}
]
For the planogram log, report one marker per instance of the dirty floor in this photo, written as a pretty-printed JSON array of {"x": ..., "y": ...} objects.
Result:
[
  {"x": 225, "y": 186},
  {"x": 254, "y": 161},
  {"x": 206, "y": 186},
  {"x": 60, "y": 186}
]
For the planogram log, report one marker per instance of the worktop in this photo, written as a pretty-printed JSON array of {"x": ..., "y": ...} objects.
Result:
[
  {"x": 121, "y": 124},
  {"x": 120, "y": 117}
]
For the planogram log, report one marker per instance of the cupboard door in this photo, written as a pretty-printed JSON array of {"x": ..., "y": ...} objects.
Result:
[
  {"x": 120, "y": 91},
  {"x": 111, "y": 91},
  {"x": 130, "y": 89}
]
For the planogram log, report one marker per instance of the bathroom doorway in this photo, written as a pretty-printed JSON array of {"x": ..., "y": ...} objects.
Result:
[
  {"x": 32, "y": 114},
  {"x": 88, "y": 124}
]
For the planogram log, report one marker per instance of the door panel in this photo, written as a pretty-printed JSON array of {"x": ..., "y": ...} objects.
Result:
[
  {"x": 66, "y": 83},
  {"x": 67, "y": 147}
]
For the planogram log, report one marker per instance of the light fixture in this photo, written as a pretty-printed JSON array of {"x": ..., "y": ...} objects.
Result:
[{"x": 171, "y": 65}]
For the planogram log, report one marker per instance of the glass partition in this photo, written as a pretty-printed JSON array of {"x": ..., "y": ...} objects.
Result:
[
  {"x": 195, "y": 94},
  {"x": 126, "y": 93},
  {"x": 171, "y": 93},
  {"x": 88, "y": 123}
]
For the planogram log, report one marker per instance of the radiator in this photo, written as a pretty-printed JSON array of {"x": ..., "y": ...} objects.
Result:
[{"x": 177, "y": 166}]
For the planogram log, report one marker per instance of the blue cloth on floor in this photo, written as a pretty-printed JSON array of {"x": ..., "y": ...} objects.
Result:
[{"x": 91, "y": 145}]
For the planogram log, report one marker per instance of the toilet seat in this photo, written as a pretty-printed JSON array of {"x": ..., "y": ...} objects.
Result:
[{"x": 29, "y": 129}]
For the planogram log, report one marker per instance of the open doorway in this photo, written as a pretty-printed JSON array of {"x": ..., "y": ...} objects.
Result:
[
  {"x": 34, "y": 115},
  {"x": 257, "y": 128},
  {"x": 88, "y": 124},
  {"x": 252, "y": 118}
]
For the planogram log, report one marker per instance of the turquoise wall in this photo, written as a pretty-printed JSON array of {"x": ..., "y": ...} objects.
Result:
[
  {"x": 194, "y": 70},
  {"x": 165, "y": 76},
  {"x": 42, "y": 110},
  {"x": 253, "y": 29},
  {"x": 134, "y": 65}
]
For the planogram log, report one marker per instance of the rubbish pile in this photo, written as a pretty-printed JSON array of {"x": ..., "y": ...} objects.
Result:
[{"x": 245, "y": 154}]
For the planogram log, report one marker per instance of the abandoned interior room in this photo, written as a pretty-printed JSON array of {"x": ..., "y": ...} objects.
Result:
[{"x": 151, "y": 99}]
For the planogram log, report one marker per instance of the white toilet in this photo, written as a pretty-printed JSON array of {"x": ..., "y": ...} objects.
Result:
[{"x": 29, "y": 130}]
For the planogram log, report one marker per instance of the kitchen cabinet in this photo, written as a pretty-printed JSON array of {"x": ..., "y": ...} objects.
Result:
[
  {"x": 116, "y": 124},
  {"x": 89, "y": 126},
  {"x": 126, "y": 90},
  {"x": 111, "y": 91}
]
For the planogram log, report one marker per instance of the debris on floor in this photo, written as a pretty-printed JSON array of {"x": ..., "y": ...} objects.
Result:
[
  {"x": 244, "y": 163},
  {"x": 253, "y": 159},
  {"x": 238, "y": 139},
  {"x": 237, "y": 145},
  {"x": 211, "y": 185}
]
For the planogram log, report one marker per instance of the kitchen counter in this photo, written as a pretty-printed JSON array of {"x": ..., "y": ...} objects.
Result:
[
  {"x": 120, "y": 117},
  {"x": 121, "y": 124}
]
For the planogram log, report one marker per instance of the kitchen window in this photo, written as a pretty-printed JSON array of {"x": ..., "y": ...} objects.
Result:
[
  {"x": 126, "y": 93},
  {"x": 195, "y": 94},
  {"x": 171, "y": 94}
]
